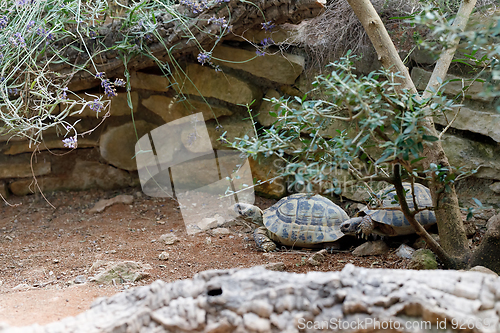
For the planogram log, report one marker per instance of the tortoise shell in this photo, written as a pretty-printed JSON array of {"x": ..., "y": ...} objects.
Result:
[
  {"x": 303, "y": 220},
  {"x": 396, "y": 218}
]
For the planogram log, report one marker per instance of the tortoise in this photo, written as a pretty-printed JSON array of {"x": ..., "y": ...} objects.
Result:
[
  {"x": 297, "y": 220},
  {"x": 385, "y": 222}
]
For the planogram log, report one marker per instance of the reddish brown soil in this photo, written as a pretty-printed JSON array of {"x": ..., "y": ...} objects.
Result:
[{"x": 43, "y": 249}]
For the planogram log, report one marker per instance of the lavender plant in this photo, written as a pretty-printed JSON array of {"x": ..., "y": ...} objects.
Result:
[{"x": 38, "y": 38}]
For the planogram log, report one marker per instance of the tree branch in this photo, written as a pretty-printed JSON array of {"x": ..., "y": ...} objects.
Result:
[{"x": 447, "y": 260}]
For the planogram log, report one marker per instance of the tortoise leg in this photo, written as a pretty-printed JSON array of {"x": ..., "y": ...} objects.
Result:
[
  {"x": 262, "y": 240},
  {"x": 332, "y": 246},
  {"x": 366, "y": 226}
]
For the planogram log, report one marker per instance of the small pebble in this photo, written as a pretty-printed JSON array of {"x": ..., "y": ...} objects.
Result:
[
  {"x": 163, "y": 256},
  {"x": 80, "y": 279}
]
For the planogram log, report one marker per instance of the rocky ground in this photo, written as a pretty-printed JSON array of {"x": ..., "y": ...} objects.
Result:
[{"x": 50, "y": 255}]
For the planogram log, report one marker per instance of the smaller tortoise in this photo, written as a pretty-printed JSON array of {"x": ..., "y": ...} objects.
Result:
[
  {"x": 297, "y": 220},
  {"x": 386, "y": 222}
]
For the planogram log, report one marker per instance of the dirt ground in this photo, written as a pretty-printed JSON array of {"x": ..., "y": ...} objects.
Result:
[{"x": 43, "y": 250}]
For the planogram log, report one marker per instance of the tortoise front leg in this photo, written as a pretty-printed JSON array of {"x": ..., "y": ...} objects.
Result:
[{"x": 262, "y": 240}]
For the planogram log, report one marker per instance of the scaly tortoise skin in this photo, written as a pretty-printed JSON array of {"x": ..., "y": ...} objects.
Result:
[
  {"x": 385, "y": 222},
  {"x": 297, "y": 220}
]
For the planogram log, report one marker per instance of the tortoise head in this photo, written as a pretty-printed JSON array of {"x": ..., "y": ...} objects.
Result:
[
  {"x": 351, "y": 226},
  {"x": 249, "y": 212}
]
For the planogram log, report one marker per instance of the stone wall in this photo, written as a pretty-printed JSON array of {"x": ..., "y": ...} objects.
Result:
[
  {"x": 104, "y": 158},
  {"x": 473, "y": 139}
]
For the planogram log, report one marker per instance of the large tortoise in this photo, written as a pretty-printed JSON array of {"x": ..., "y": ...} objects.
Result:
[
  {"x": 386, "y": 222},
  {"x": 297, "y": 220}
]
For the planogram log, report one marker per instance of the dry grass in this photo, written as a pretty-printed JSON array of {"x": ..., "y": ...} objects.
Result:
[{"x": 337, "y": 30}]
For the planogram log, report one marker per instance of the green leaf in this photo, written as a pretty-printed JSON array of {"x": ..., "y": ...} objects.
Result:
[
  {"x": 76, "y": 48},
  {"x": 479, "y": 203},
  {"x": 430, "y": 138},
  {"x": 417, "y": 160}
]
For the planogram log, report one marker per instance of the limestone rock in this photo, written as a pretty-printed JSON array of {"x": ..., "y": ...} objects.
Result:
[
  {"x": 423, "y": 259},
  {"x": 102, "y": 204},
  {"x": 80, "y": 279},
  {"x": 122, "y": 272},
  {"x": 279, "y": 34},
  {"x": 374, "y": 248},
  {"x": 472, "y": 155},
  {"x": 264, "y": 118},
  {"x": 169, "y": 238},
  {"x": 170, "y": 109},
  {"x": 4, "y": 190},
  {"x": 275, "y": 266},
  {"x": 117, "y": 144},
  {"x": 144, "y": 81},
  {"x": 405, "y": 251},
  {"x": 265, "y": 170},
  {"x": 495, "y": 187},
  {"x": 317, "y": 258},
  {"x": 485, "y": 123},
  {"x": 492, "y": 220},
  {"x": 420, "y": 243},
  {"x": 421, "y": 77},
  {"x": 50, "y": 141},
  {"x": 483, "y": 269},
  {"x": 256, "y": 299},
  {"x": 85, "y": 175},
  {"x": 471, "y": 188},
  {"x": 280, "y": 67},
  {"x": 220, "y": 231},
  {"x": 163, "y": 256},
  {"x": 21, "y": 166},
  {"x": 205, "y": 81},
  {"x": 9, "y": 137}
]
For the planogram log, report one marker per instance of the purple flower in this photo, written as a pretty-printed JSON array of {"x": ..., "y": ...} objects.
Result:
[
  {"x": 99, "y": 75},
  {"x": 24, "y": 2},
  {"x": 218, "y": 21},
  {"x": 109, "y": 90},
  {"x": 268, "y": 26},
  {"x": 3, "y": 21},
  {"x": 64, "y": 94},
  {"x": 260, "y": 53},
  {"x": 204, "y": 57},
  {"x": 196, "y": 6},
  {"x": 96, "y": 106},
  {"x": 17, "y": 40},
  {"x": 119, "y": 83},
  {"x": 267, "y": 41},
  {"x": 71, "y": 142},
  {"x": 30, "y": 25},
  {"x": 44, "y": 33}
]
